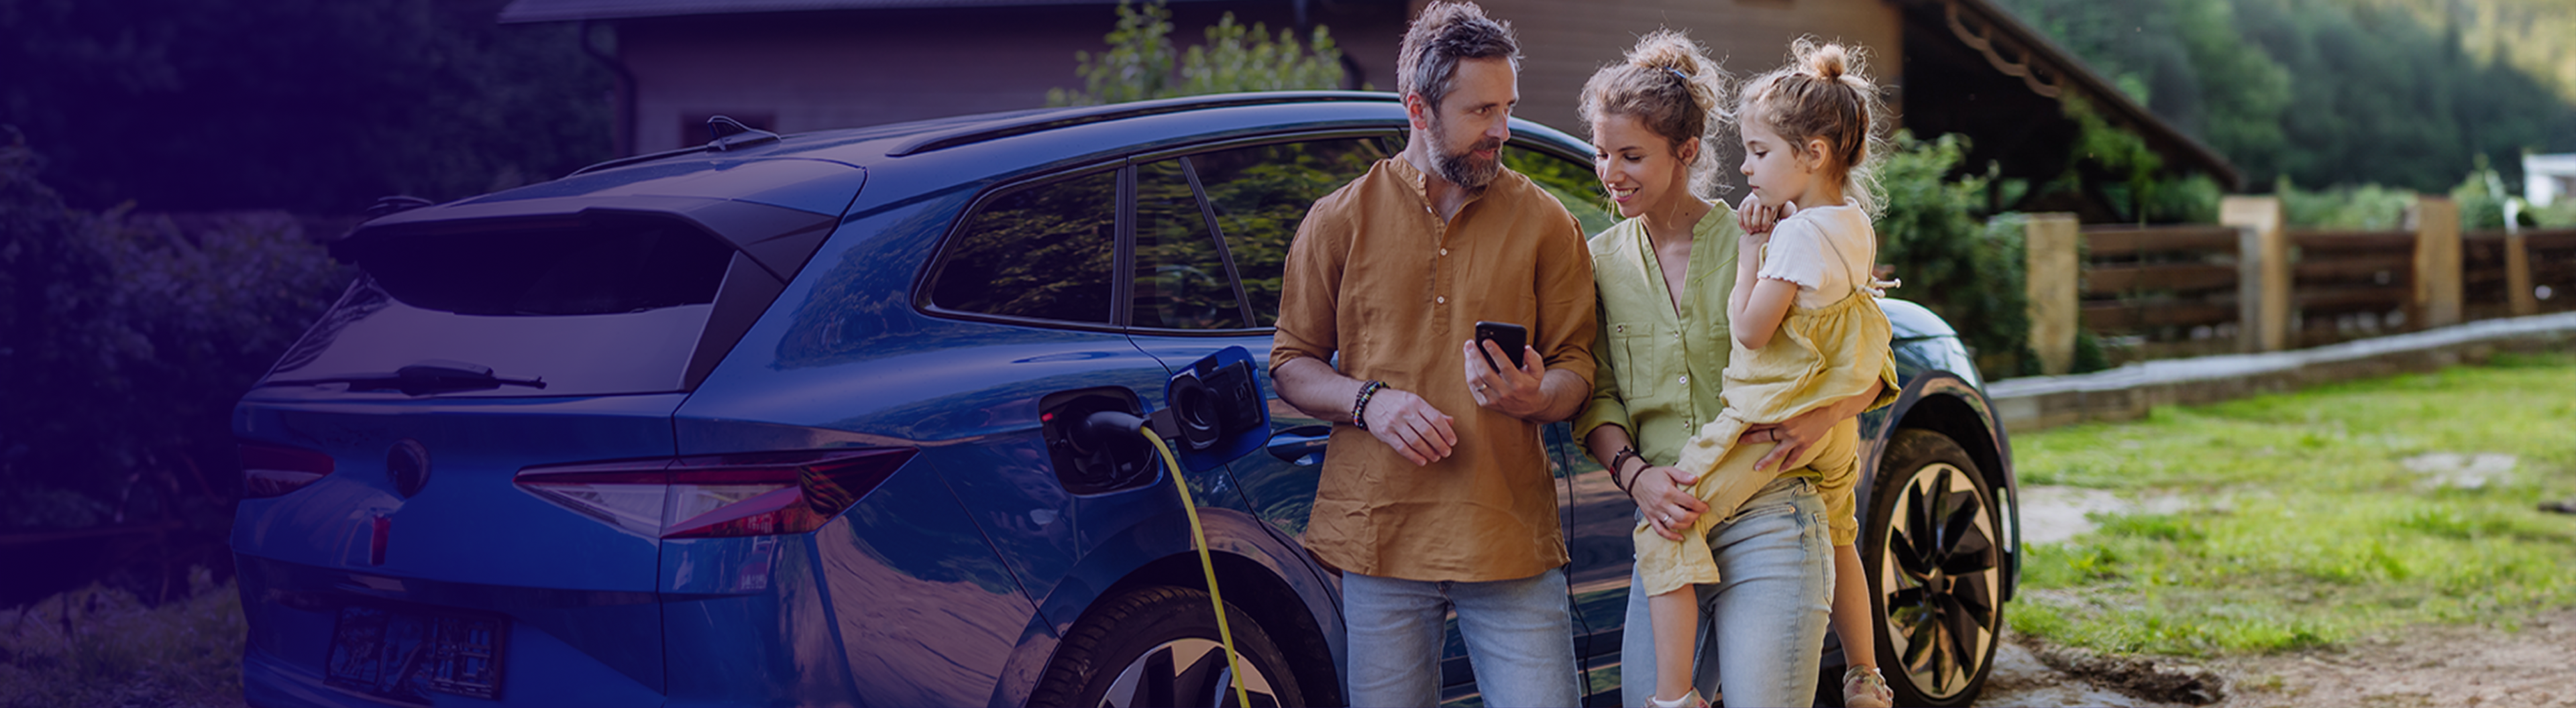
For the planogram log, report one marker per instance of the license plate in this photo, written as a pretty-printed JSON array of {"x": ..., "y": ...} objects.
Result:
[{"x": 401, "y": 654}]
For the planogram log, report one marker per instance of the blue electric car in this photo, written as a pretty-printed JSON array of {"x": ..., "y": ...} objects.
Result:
[{"x": 780, "y": 421}]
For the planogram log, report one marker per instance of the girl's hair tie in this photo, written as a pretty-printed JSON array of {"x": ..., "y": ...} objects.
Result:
[{"x": 1677, "y": 73}]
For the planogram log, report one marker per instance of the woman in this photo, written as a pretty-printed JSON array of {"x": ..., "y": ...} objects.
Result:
[{"x": 1663, "y": 275}]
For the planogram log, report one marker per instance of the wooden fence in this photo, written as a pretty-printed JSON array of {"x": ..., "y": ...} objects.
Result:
[
  {"x": 2251, "y": 285},
  {"x": 2171, "y": 291}
]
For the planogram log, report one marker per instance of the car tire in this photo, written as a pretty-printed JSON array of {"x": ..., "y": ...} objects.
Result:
[
  {"x": 1159, "y": 647},
  {"x": 1931, "y": 548}
]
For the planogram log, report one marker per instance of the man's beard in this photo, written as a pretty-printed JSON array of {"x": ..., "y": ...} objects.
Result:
[{"x": 1462, "y": 167}]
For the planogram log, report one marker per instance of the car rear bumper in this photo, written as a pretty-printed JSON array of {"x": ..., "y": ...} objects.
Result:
[{"x": 563, "y": 647}]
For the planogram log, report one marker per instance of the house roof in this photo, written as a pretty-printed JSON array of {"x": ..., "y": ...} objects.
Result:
[
  {"x": 520, "y": 11},
  {"x": 2008, "y": 45},
  {"x": 2015, "y": 49}
]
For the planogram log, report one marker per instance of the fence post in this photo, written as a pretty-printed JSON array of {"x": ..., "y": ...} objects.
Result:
[
  {"x": 2049, "y": 245},
  {"x": 2517, "y": 275},
  {"x": 2437, "y": 261},
  {"x": 2263, "y": 272}
]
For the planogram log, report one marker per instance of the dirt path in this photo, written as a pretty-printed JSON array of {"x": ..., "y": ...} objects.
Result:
[
  {"x": 2429, "y": 667},
  {"x": 2433, "y": 666}
]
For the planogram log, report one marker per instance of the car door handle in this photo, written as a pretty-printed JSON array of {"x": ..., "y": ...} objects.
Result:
[{"x": 1302, "y": 445}]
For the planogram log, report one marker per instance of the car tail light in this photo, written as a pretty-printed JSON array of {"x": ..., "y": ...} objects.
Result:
[
  {"x": 273, "y": 470},
  {"x": 750, "y": 494}
]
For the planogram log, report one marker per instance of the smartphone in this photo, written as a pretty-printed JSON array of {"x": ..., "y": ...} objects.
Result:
[{"x": 1511, "y": 337}]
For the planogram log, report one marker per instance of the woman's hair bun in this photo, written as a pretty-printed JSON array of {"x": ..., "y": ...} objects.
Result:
[
  {"x": 1669, "y": 53},
  {"x": 1665, "y": 49},
  {"x": 1671, "y": 86}
]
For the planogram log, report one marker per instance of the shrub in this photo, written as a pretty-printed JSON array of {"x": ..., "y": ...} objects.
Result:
[
  {"x": 127, "y": 340},
  {"x": 2368, "y": 206},
  {"x": 101, "y": 646},
  {"x": 2482, "y": 198},
  {"x": 1967, "y": 271},
  {"x": 1140, "y": 63}
]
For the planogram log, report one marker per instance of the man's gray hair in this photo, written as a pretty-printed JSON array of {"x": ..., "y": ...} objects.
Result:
[{"x": 1445, "y": 33}]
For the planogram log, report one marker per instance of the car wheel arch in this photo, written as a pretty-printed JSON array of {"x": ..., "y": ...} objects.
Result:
[
  {"x": 1945, "y": 403},
  {"x": 1258, "y": 572}
]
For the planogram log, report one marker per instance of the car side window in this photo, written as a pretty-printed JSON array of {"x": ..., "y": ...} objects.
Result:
[
  {"x": 1261, "y": 193},
  {"x": 1573, "y": 183},
  {"x": 1181, "y": 279},
  {"x": 1044, "y": 252}
]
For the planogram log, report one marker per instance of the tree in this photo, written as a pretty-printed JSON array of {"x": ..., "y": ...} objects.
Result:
[
  {"x": 2329, "y": 92},
  {"x": 310, "y": 105},
  {"x": 1140, "y": 62}
]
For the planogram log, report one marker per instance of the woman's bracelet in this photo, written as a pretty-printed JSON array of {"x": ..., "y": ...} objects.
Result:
[
  {"x": 1615, "y": 471},
  {"x": 1360, "y": 407}
]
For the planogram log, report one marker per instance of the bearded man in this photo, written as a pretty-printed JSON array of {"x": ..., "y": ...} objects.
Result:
[{"x": 1436, "y": 492}]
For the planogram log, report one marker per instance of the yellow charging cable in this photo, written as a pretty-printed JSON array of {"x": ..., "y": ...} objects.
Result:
[{"x": 1233, "y": 660}]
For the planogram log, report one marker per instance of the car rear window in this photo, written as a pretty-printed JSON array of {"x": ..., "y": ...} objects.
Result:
[
  {"x": 600, "y": 305},
  {"x": 599, "y": 266}
]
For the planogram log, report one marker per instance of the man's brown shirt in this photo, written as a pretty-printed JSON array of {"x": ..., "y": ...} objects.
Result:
[{"x": 1375, "y": 276}]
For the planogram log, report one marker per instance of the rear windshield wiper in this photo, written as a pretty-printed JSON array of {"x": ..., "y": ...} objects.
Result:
[{"x": 421, "y": 379}]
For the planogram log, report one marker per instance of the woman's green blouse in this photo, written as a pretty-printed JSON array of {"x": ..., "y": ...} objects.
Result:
[{"x": 1660, "y": 369}]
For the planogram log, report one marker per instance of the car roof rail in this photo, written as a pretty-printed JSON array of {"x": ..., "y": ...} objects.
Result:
[{"x": 1050, "y": 120}]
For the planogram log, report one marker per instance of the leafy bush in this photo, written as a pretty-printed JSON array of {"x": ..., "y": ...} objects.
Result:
[
  {"x": 128, "y": 339},
  {"x": 2560, "y": 214},
  {"x": 2130, "y": 177},
  {"x": 1140, "y": 62},
  {"x": 2482, "y": 198},
  {"x": 1967, "y": 271},
  {"x": 2368, "y": 206},
  {"x": 100, "y": 646}
]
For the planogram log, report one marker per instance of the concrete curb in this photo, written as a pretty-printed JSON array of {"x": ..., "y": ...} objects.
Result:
[{"x": 2128, "y": 392}]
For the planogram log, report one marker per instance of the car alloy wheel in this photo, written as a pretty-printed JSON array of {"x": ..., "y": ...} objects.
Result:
[
  {"x": 1936, "y": 570},
  {"x": 1184, "y": 672},
  {"x": 1162, "y": 643}
]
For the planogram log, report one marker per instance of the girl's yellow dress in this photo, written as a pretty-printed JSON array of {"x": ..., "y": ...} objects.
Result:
[{"x": 1820, "y": 355}]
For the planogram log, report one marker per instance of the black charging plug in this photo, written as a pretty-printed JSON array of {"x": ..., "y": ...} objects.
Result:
[{"x": 1106, "y": 428}]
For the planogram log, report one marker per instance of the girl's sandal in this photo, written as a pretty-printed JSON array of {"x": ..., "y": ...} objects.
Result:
[
  {"x": 1688, "y": 700},
  {"x": 1864, "y": 688}
]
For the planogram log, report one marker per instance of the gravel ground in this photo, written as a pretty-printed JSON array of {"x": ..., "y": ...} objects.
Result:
[{"x": 2459, "y": 666}]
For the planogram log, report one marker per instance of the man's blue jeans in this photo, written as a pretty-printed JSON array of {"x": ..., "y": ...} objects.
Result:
[
  {"x": 1762, "y": 630},
  {"x": 1520, "y": 639}
]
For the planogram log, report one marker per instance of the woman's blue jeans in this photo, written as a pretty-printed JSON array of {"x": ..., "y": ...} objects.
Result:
[{"x": 1762, "y": 630}]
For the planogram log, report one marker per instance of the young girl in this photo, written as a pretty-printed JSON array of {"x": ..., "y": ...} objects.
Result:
[{"x": 1806, "y": 335}]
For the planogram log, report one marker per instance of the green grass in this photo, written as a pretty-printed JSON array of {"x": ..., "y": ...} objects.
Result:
[
  {"x": 2302, "y": 526},
  {"x": 101, "y": 647}
]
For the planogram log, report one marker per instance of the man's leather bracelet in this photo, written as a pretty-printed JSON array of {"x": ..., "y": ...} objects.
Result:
[{"x": 1360, "y": 407}]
